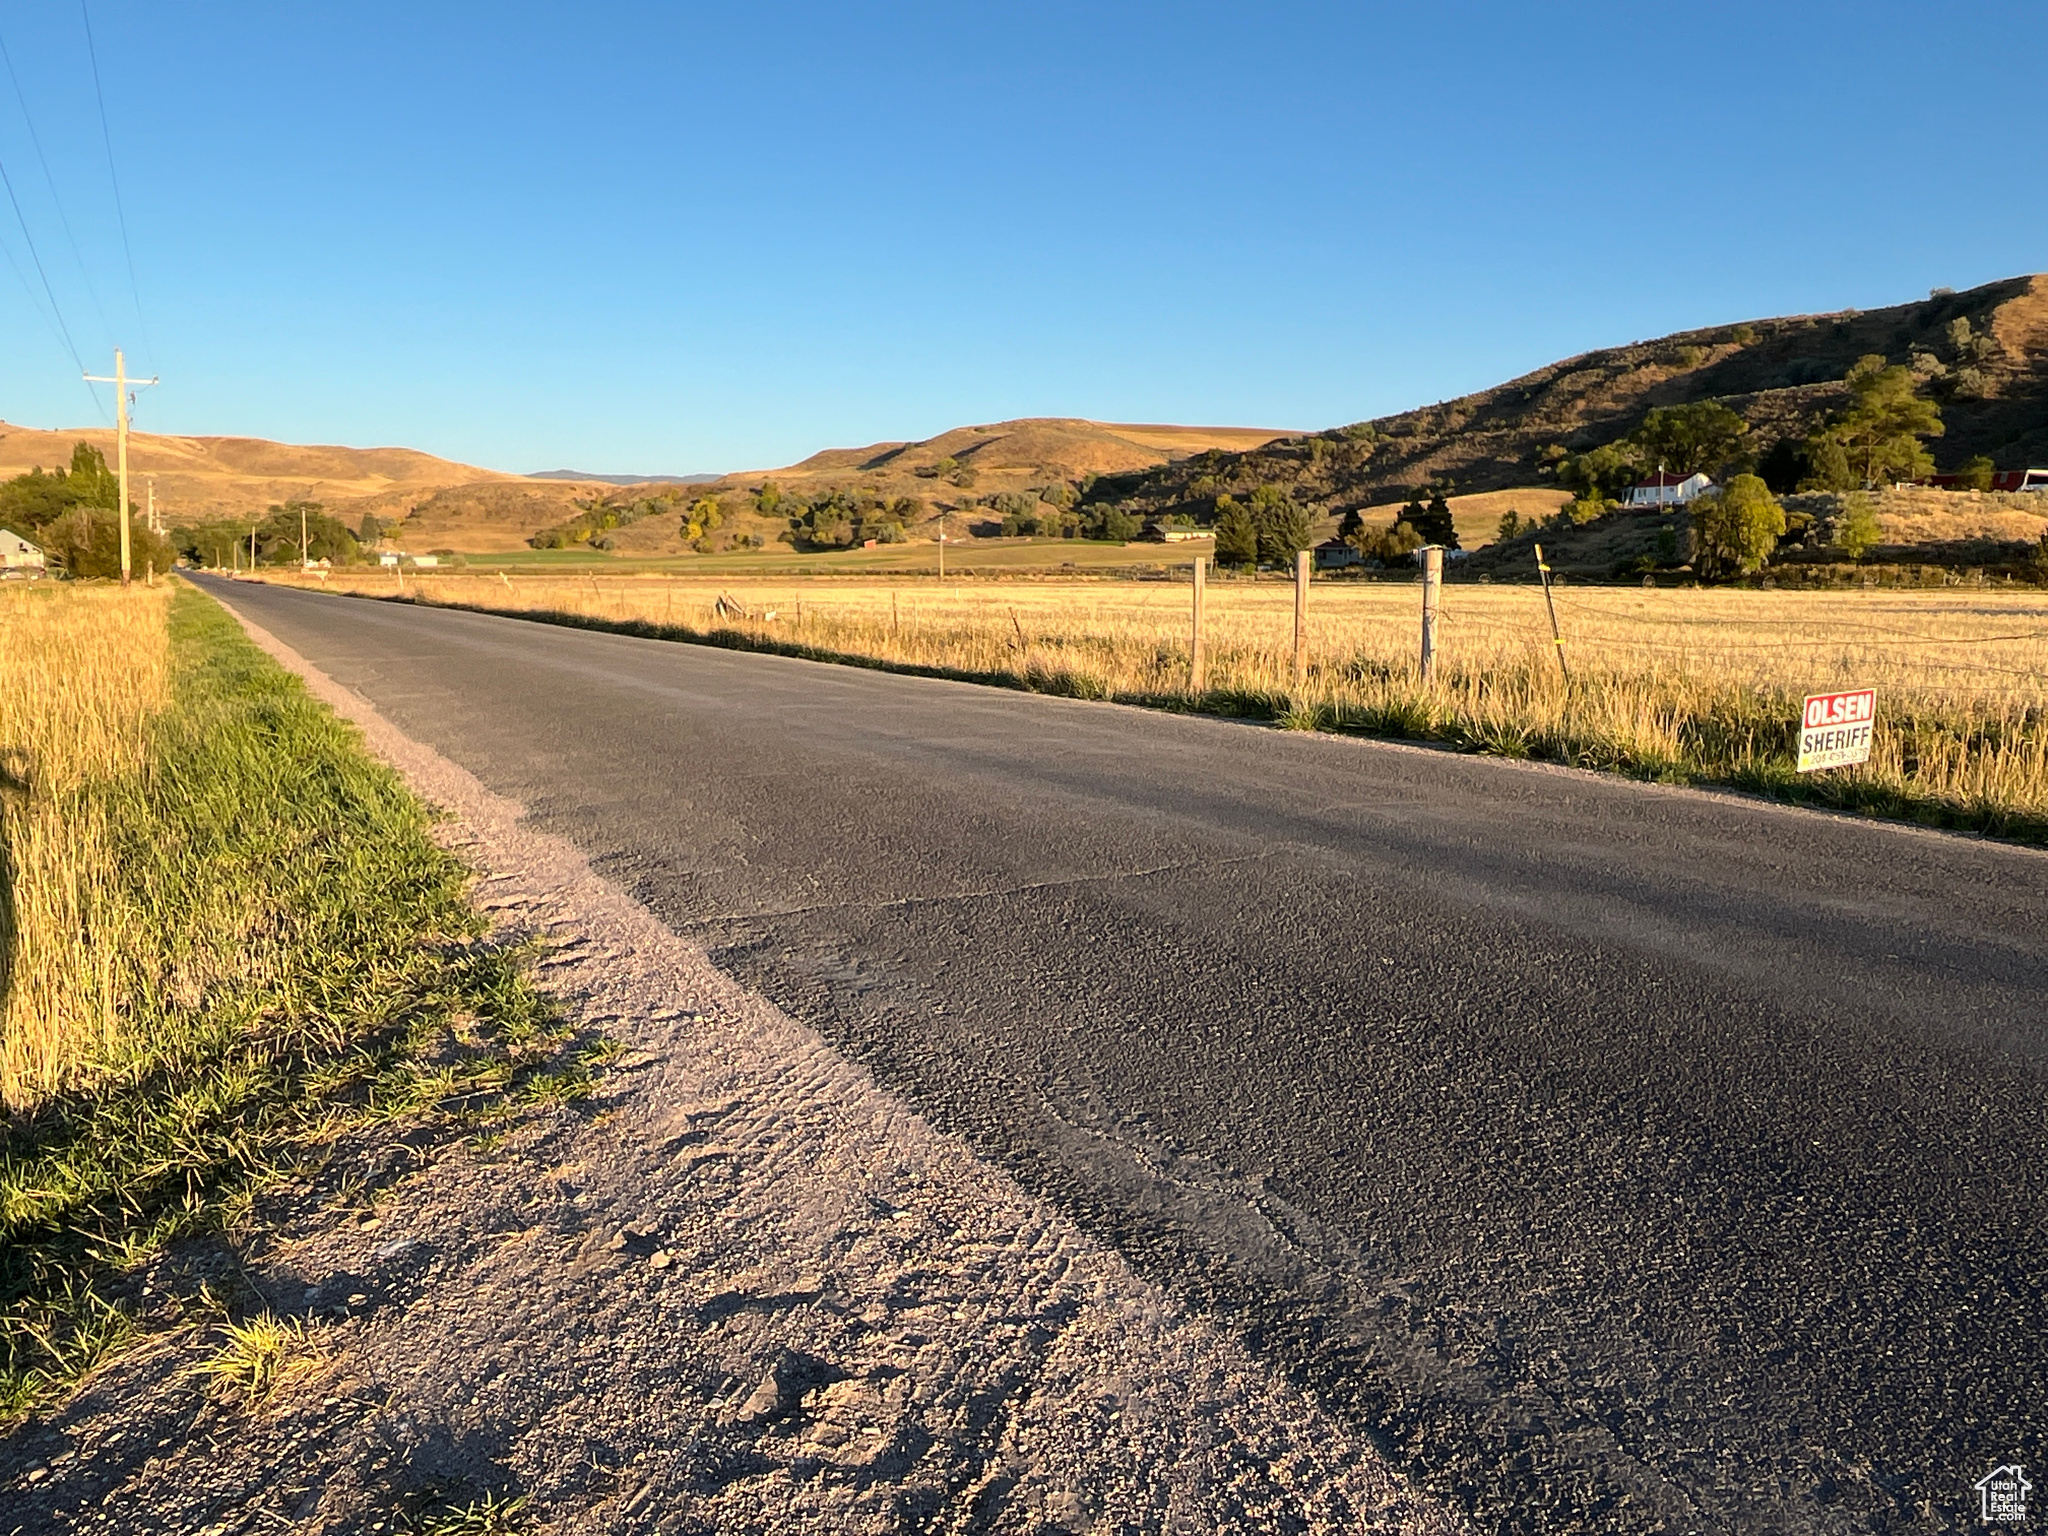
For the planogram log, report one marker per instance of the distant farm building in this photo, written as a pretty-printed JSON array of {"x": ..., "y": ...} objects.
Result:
[
  {"x": 2001, "y": 480},
  {"x": 1173, "y": 533},
  {"x": 18, "y": 556},
  {"x": 1335, "y": 554},
  {"x": 1662, "y": 490}
]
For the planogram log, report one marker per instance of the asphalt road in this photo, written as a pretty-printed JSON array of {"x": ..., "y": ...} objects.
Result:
[{"x": 1622, "y": 1158}]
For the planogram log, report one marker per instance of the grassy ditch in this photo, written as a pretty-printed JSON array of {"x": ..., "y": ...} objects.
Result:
[
  {"x": 1684, "y": 687},
  {"x": 226, "y": 941}
]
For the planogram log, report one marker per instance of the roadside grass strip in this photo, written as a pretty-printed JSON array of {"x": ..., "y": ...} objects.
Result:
[{"x": 229, "y": 942}]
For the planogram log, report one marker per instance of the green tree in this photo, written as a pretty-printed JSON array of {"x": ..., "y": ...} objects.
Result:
[
  {"x": 768, "y": 498},
  {"x": 1106, "y": 520},
  {"x": 1975, "y": 473},
  {"x": 1283, "y": 525},
  {"x": 1433, "y": 522},
  {"x": 327, "y": 538},
  {"x": 704, "y": 517},
  {"x": 1388, "y": 545},
  {"x": 1237, "y": 536},
  {"x": 1589, "y": 505},
  {"x": 1827, "y": 464},
  {"x": 1510, "y": 525},
  {"x": 1856, "y": 529},
  {"x": 1879, "y": 434},
  {"x": 35, "y": 500},
  {"x": 1735, "y": 528},
  {"x": 86, "y": 542},
  {"x": 1783, "y": 465},
  {"x": 1695, "y": 439},
  {"x": 92, "y": 482},
  {"x": 1605, "y": 471}
]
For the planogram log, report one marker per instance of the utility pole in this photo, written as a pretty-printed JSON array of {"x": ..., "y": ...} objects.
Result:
[
  {"x": 303, "y": 561},
  {"x": 942, "y": 543},
  {"x": 150, "y": 516},
  {"x": 121, "y": 381},
  {"x": 1198, "y": 662}
]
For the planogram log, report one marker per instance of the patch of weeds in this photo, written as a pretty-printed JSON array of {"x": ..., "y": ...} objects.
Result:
[
  {"x": 354, "y": 958},
  {"x": 492, "y": 1515},
  {"x": 257, "y": 1355},
  {"x": 1299, "y": 715},
  {"x": 1064, "y": 682},
  {"x": 57, "y": 1339},
  {"x": 554, "y": 1088},
  {"x": 601, "y": 1052}
]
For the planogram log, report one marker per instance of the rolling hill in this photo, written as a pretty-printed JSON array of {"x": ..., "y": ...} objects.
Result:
[
  {"x": 201, "y": 478},
  {"x": 447, "y": 505},
  {"x": 1983, "y": 353}
]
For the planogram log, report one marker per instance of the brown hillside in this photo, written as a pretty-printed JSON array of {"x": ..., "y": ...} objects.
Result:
[
  {"x": 1782, "y": 375},
  {"x": 201, "y": 478},
  {"x": 1033, "y": 450},
  {"x": 1021, "y": 455}
]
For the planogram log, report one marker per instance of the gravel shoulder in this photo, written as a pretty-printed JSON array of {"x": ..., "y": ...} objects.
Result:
[{"x": 742, "y": 1288}]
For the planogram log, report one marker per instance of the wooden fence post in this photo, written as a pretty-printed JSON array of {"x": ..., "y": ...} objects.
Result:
[
  {"x": 1198, "y": 662},
  {"x": 1432, "y": 595},
  {"x": 1301, "y": 560}
]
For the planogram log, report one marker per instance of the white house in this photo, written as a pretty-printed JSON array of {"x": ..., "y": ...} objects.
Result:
[
  {"x": 18, "y": 556},
  {"x": 1662, "y": 490}
]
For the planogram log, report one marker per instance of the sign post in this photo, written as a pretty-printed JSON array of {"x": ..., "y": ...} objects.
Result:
[{"x": 1835, "y": 729}]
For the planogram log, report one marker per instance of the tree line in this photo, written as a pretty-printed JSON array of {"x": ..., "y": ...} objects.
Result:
[{"x": 72, "y": 514}]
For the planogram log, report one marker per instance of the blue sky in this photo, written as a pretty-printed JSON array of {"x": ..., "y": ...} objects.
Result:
[{"x": 670, "y": 238}]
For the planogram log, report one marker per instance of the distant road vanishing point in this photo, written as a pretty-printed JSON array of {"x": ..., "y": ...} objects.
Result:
[{"x": 1623, "y": 1158}]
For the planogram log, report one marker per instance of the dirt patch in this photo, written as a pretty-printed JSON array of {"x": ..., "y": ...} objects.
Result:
[{"x": 740, "y": 1289}]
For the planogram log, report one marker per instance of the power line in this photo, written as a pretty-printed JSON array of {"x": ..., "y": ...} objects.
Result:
[
  {"x": 107, "y": 135},
  {"x": 8, "y": 182},
  {"x": 49, "y": 180},
  {"x": 56, "y": 310}
]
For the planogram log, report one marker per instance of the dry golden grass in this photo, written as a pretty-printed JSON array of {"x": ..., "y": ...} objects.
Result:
[
  {"x": 1682, "y": 685},
  {"x": 1922, "y": 515},
  {"x": 84, "y": 672}
]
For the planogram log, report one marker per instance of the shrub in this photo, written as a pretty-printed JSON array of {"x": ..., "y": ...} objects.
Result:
[
  {"x": 1735, "y": 529},
  {"x": 1975, "y": 473},
  {"x": 87, "y": 543},
  {"x": 1388, "y": 545},
  {"x": 1856, "y": 530},
  {"x": 1104, "y": 521}
]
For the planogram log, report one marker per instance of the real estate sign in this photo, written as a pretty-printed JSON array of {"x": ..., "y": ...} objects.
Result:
[{"x": 1835, "y": 730}]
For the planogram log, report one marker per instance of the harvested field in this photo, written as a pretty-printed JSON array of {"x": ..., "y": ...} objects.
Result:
[{"x": 1674, "y": 685}]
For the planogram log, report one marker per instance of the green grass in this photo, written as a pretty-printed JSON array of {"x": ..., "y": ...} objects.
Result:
[{"x": 313, "y": 966}]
